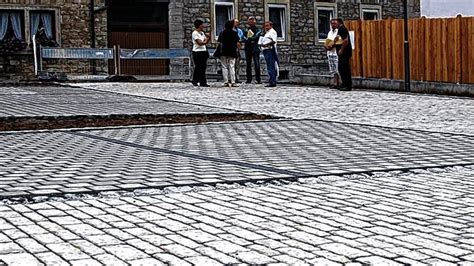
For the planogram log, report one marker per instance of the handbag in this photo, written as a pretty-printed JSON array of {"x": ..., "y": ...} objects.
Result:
[{"x": 218, "y": 52}]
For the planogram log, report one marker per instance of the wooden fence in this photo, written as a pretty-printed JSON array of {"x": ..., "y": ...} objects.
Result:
[{"x": 441, "y": 50}]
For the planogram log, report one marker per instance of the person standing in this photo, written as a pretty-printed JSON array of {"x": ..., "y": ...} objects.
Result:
[
  {"x": 344, "y": 51},
  {"x": 269, "y": 46},
  {"x": 240, "y": 33},
  {"x": 229, "y": 40},
  {"x": 332, "y": 53},
  {"x": 252, "y": 50},
  {"x": 200, "y": 54}
]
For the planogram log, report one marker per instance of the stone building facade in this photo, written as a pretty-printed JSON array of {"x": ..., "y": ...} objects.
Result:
[
  {"x": 69, "y": 26},
  {"x": 300, "y": 25}
]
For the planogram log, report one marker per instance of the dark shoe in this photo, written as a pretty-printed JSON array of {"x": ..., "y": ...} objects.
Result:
[
  {"x": 334, "y": 87},
  {"x": 205, "y": 85},
  {"x": 344, "y": 89},
  {"x": 194, "y": 84},
  {"x": 270, "y": 86},
  {"x": 248, "y": 82},
  {"x": 259, "y": 82}
]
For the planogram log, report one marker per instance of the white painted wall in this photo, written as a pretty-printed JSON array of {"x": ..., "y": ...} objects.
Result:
[{"x": 447, "y": 8}]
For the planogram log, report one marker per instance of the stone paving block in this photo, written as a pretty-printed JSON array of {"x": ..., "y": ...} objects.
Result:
[
  {"x": 157, "y": 240},
  {"x": 107, "y": 259},
  {"x": 307, "y": 237},
  {"x": 439, "y": 262},
  {"x": 49, "y": 258},
  {"x": 103, "y": 240},
  {"x": 198, "y": 236},
  {"x": 226, "y": 247},
  {"x": 170, "y": 259},
  {"x": 374, "y": 260},
  {"x": 201, "y": 260},
  {"x": 144, "y": 246},
  {"x": 88, "y": 262},
  {"x": 19, "y": 259},
  {"x": 345, "y": 250},
  {"x": 296, "y": 252},
  {"x": 254, "y": 257},
  {"x": 87, "y": 247},
  {"x": 325, "y": 262},
  {"x": 125, "y": 252},
  {"x": 183, "y": 241}
]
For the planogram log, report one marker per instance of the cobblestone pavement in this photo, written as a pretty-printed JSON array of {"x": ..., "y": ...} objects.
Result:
[
  {"x": 414, "y": 217},
  {"x": 71, "y": 101},
  {"x": 414, "y": 111},
  {"x": 98, "y": 160},
  {"x": 387, "y": 219}
]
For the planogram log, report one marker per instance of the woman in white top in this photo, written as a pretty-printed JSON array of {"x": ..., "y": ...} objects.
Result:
[{"x": 200, "y": 54}]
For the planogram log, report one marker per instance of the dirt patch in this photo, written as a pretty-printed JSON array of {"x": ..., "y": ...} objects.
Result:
[{"x": 81, "y": 121}]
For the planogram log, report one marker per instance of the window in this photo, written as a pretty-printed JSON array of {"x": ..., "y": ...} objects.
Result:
[
  {"x": 12, "y": 31},
  {"x": 12, "y": 25},
  {"x": 277, "y": 15},
  {"x": 223, "y": 12},
  {"x": 324, "y": 15},
  {"x": 18, "y": 25},
  {"x": 42, "y": 23},
  {"x": 370, "y": 12}
]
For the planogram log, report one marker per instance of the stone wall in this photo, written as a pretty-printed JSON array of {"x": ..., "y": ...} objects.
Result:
[{"x": 73, "y": 26}]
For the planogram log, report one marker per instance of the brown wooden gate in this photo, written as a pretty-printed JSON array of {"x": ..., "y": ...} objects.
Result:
[
  {"x": 139, "y": 24},
  {"x": 140, "y": 40}
]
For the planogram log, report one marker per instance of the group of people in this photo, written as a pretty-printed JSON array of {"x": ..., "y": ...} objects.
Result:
[
  {"x": 256, "y": 41},
  {"x": 230, "y": 42},
  {"x": 339, "y": 52}
]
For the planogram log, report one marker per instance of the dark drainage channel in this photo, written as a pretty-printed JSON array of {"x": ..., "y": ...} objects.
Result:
[{"x": 81, "y": 121}]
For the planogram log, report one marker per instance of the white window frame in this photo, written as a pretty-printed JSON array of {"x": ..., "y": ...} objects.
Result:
[
  {"x": 371, "y": 9},
  {"x": 214, "y": 4},
  {"x": 326, "y": 7},
  {"x": 284, "y": 20}
]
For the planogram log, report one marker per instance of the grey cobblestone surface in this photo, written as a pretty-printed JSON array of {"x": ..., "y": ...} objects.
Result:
[
  {"x": 415, "y": 217},
  {"x": 413, "y": 111},
  {"x": 391, "y": 218},
  {"x": 62, "y": 162},
  {"x": 72, "y": 101}
]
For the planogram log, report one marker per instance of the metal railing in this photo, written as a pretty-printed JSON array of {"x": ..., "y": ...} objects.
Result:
[{"x": 116, "y": 54}]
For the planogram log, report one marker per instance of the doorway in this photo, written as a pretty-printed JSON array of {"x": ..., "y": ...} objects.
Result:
[{"x": 137, "y": 24}]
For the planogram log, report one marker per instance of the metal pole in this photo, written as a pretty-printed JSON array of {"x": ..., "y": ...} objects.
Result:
[
  {"x": 92, "y": 30},
  {"x": 407, "y": 48},
  {"x": 35, "y": 54}
]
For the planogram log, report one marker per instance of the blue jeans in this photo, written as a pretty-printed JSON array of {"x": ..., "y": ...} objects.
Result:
[{"x": 270, "y": 58}]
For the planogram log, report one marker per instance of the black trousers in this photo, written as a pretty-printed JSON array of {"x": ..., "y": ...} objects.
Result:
[
  {"x": 200, "y": 65},
  {"x": 250, "y": 57},
  {"x": 344, "y": 68}
]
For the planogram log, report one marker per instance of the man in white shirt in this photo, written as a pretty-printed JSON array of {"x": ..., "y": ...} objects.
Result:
[
  {"x": 200, "y": 54},
  {"x": 269, "y": 45},
  {"x": 332, "y": 53}
]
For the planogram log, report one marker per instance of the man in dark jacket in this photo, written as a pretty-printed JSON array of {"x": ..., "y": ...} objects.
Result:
[
  {"x": 344, "y": 51},
  {"x": 252, "y": 49}
]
